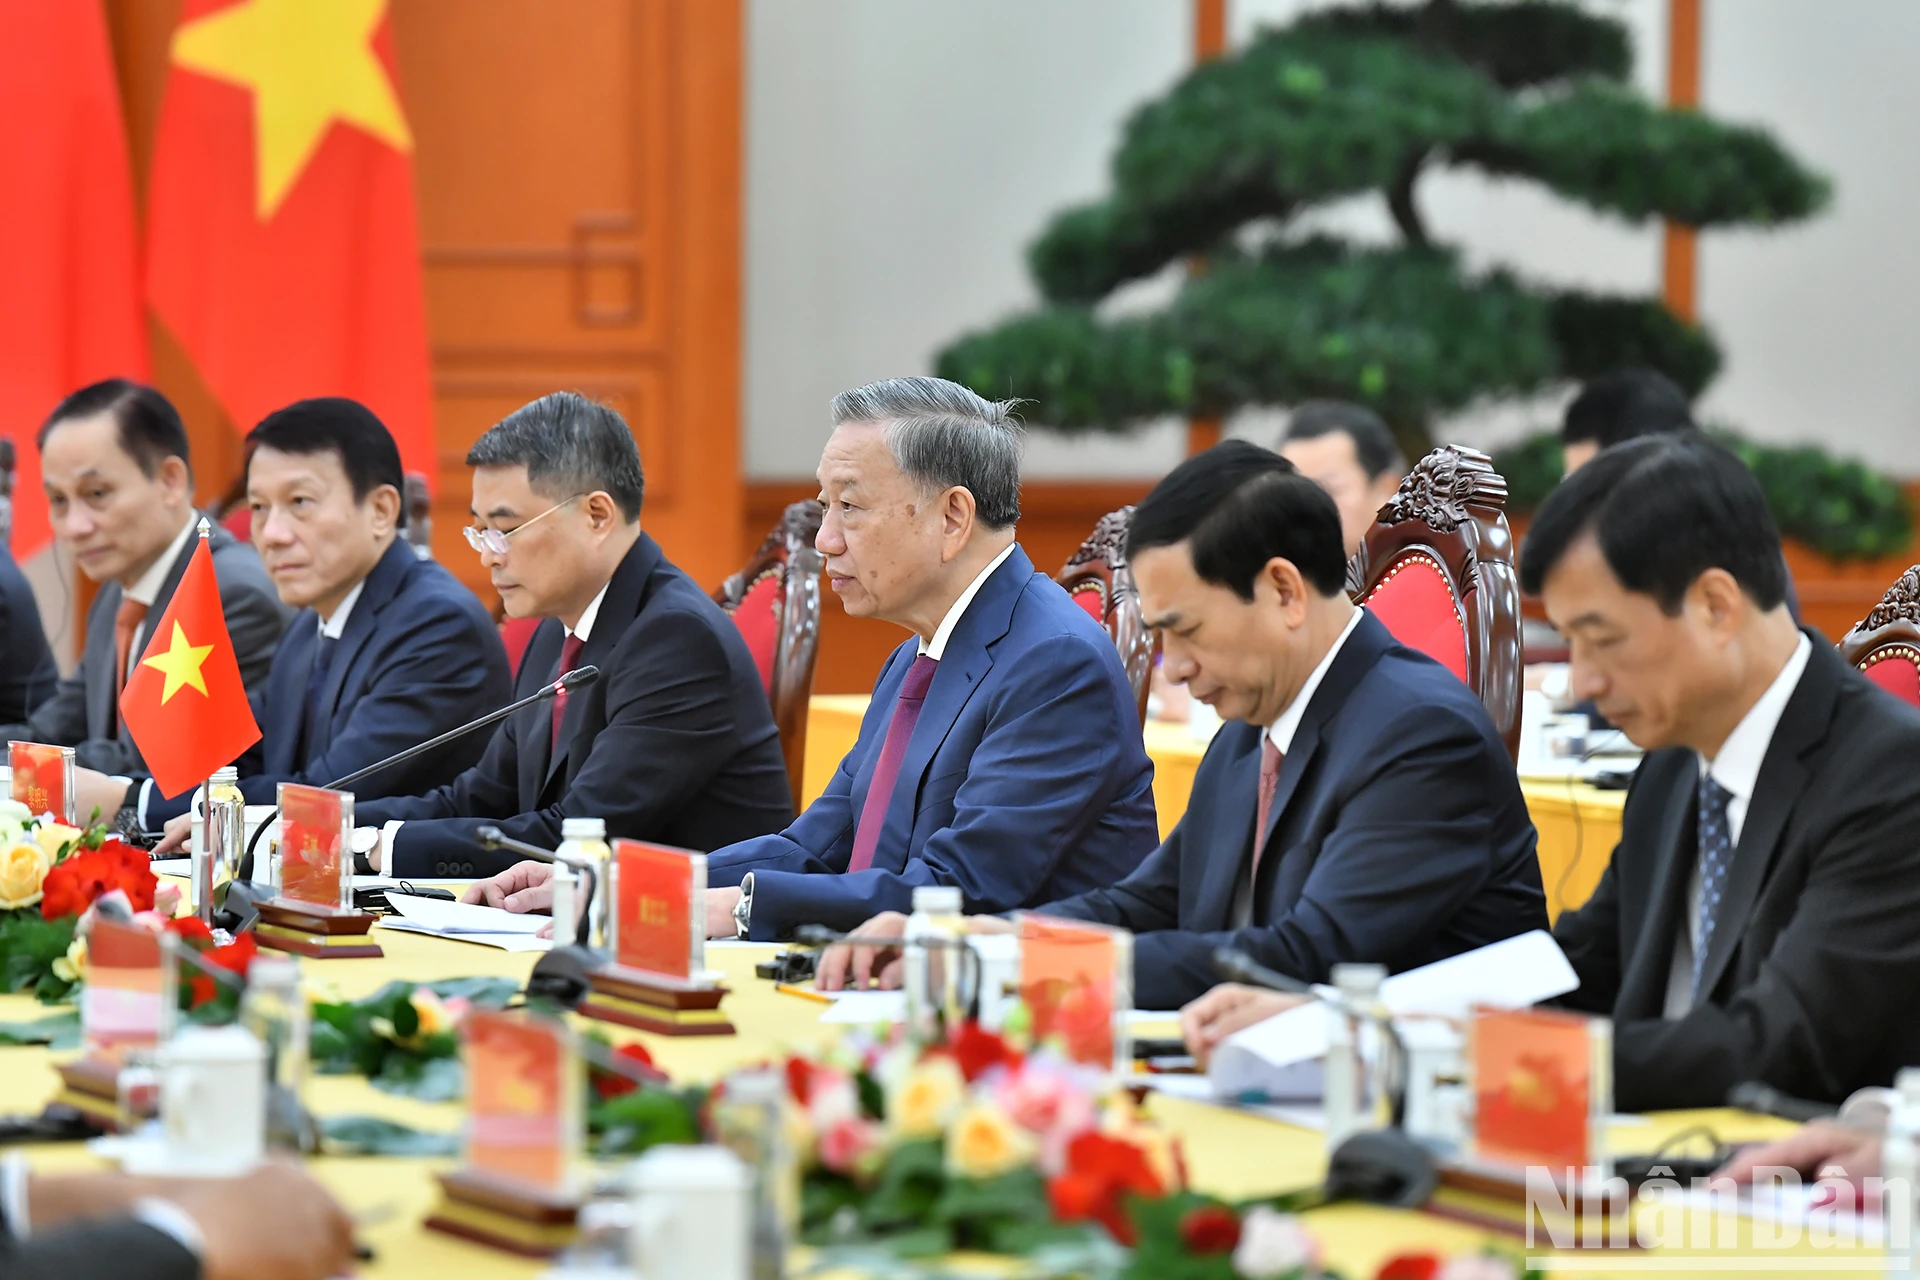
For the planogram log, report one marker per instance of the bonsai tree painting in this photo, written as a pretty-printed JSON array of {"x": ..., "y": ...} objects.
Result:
[{"x": 1345, "y": 102}]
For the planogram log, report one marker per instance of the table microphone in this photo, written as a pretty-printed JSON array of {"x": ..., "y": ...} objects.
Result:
[
  {"x": 1238, "y": 966},
  {"x": 578, "y": 678},
  {"x": 560, "y": 975},
  {"x": 1752, "y": 1095}
]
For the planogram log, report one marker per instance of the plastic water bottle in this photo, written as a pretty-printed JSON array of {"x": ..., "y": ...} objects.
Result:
[
  {"x": 935, "y": 1000},
  {"x": 1347, "y": 1094},
  {"x": 585, "y": 840},
  {"x": 274, "y": 1008},
  {"x": 226, "y": 830},
  {"x": 566, "y": 904},
  {"x": 1900, "y": 1167},
  {"x": 749, "y": 1119}
]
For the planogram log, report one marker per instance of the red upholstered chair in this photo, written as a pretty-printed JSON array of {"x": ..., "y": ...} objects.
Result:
[
  {"x": 1885, "y": 645},
  {"x": 516, "y": 634},
  {"x": 775, "y": 601},
  {"x": 1437, "y": 569},
  {"x": 1097, "y": 578}
]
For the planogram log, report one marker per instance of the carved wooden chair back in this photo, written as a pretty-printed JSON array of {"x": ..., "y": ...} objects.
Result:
[
  {"x": 1885, "y": 645},
  {"x": 1097, "y": 578}
]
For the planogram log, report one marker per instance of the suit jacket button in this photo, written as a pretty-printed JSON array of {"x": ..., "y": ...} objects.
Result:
[
  {"x": 439, "y": 868},
  {"x": 466, "y": 868}
]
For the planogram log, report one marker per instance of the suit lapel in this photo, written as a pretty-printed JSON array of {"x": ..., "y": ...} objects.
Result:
[
  {"x": 534, "y": 729},
  {"x": 1643, "y": 987},
  {"x": 286, "y": 692},
  {"x": 381, "y": 587},
  {"x": 965, "y": 662},
  {"x": 1803, "y": 726},
  {"x": 1229, "y": 825},
  {"x": 102, "y": 716},
  {"x": 625, "y": 598}
]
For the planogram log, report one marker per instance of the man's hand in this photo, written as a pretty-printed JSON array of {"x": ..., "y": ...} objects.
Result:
[
  {"x": 1228, "y": 1008},
  {"x": 522, "y": 887},
  {"x": 175, "y": 840},
  {"x": 93, "y": 790},
  {"x": 277, "y": 1221},
  {"x": 1821, "y": 1145},
  {"x": 852, "y": 966},
  {"x": 720, "y": 905}
]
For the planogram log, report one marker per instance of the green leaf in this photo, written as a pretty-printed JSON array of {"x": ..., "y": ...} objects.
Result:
[
  {"x": 60, "y": 1031},
  {"x": 355, "y": 1135},
  {"x": 429, "y": 1080},
  {"x": 481, "y": 992},
  {"x": 647, "y": 1117}
]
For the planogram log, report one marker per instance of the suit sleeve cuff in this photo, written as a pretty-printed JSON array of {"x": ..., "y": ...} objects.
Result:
[
  {"x": 388, "y": 833},
  {"x": 170, "y": 1219}
]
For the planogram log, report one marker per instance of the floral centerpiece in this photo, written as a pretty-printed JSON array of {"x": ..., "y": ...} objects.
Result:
[{"x": 50, "y": 875}]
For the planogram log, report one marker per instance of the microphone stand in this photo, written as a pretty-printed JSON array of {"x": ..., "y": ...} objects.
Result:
[
  {"x": 578, "y": 678},
  {"x": 560, "y": 975}
]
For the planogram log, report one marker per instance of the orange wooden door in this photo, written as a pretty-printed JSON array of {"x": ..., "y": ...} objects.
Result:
[{"x": 578, "y": 168}]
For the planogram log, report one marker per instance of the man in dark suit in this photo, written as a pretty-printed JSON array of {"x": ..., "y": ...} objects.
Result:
[
  {"x": 1358, "y": 806},
  {"x": 27, "y": 672},
  {"x": 1001, "y": 752},
  {"x": 674, "y": 743},
  {"x": 1757, "y": 920},
  {"x": 276, "y": 1223},
  {"x": 113, "y": 457},
  {"x": 390, "y": 650}
]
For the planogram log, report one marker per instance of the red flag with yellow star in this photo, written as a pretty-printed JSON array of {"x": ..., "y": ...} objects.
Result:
[
  {"x": 282, "y": 249},
  {"x": 185, "y": 704}
]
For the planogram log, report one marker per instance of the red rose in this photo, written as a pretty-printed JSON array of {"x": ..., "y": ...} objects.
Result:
[
  {"x": 1101, "y": 1171},
  {"x": 74, "y": 884},
  {"x": 977, "y": 1050},
  {"x": 1211, "y": 1228},
  {"x": 800, "y": 1080},
  {"x": 1409, "y": 1266},
  {"x": 611, "y": 1084},
  {"x": 192, "y": 929},
  {"x": 236, "y": 955}
]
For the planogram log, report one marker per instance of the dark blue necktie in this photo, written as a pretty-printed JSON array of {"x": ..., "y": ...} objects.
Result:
[
  {"x": 316, "y": 679},
  {"x": 1716, "y": 855}
]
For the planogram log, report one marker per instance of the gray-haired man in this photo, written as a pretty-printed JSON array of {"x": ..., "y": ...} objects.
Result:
[
  {"x": 1002, "y": 750},
  {"x": 674, "y": 743}
]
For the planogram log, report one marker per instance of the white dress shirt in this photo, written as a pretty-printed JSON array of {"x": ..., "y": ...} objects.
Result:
[
  {"x": 584, "y": 627},
  {"x": 146, "y": 588},
  {"x": 937, "y": 647},
  {"x": 335, "y": 625},
  {"x": 1737, "y": 768}
]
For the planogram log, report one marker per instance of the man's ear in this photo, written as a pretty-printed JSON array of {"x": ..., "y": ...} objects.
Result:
[
  {"x": 603, "y": 513},
  {"x": 958, "y": 517},
  {"x": 1282, "y": 576},
  {"x": 383, "y": 504},
  {"x": 1721, "y": 600}
]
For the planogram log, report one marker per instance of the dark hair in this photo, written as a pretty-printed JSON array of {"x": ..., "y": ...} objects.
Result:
[
  {"x": 568, "y": 444},
  {"x": 1238, "y": 506},
  {"x": 150, "y": 427},
  {"x": 1625, "y": 405},
  {"x": 1373, "y": 443},
  {"x": 333, "y": 424},
  {"x": 1664, "y": 510}
]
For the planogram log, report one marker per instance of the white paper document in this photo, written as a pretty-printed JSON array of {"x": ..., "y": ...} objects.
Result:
[
  {"x": 465, "y": 922},
  {"x": 1280, "y": 1058},
  {"x": 865, "y": 1008},
  {"x": 503, "y": 941}
]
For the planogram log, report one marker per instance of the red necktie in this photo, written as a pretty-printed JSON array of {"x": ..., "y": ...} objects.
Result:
[
  {"x": 569, "y": 658},
  {"x": 1270, "y": 759},
  {"x": 906, "y": 714},
  {"x": 125, "y": 623}
]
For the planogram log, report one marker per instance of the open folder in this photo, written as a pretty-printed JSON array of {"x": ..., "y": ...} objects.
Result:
[
  {"x": 1281, "y": 1057},
  {"x": 466, "y": 922}
]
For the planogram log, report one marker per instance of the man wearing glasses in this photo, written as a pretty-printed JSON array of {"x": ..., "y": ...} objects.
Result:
[{"x": 675, "y": 742}]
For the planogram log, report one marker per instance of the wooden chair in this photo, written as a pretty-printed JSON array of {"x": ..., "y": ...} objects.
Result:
[
  {"x": 775, "y": 601},
  {"x": 1437, "y": 568},
  {"x": 1098, "y": 579},
  {"x": 1885, "y": 645}
]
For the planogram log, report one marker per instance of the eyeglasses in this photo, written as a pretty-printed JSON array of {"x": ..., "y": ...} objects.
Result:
[{"x": 485, "y": 540}]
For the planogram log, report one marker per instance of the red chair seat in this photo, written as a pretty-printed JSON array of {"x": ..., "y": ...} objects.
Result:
[
  {"x": 1898, "y": 672},
  {"x": 1415, "y": 603},
  {"x": 758, "y": 617},
  {"x": 1091, "y": 597},
  {"x": 516, "y": 634}
]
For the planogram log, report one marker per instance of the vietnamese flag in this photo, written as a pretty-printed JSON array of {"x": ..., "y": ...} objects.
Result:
[
  {"x": 69, "y": 269},
  {"x": 184, "y": 704},
  {"x": 282, "y": 250}
]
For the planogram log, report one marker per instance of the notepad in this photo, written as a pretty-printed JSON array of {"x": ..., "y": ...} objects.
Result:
[{"x": 440, "y": 916}]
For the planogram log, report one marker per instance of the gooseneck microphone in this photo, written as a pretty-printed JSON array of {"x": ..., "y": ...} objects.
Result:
[
  {"x": 1238, "y": 966},
  {"x": 560, "y": 975},
  {"x": 578, "y": 678}
]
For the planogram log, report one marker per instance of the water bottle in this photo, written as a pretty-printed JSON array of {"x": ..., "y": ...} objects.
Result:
[
  {"x": 226, "y": 827},
  {"x": 1900, "y": 1167},
  {"x": 585, "y": 840},
  {"x": 566, "y": 904},
  {"x": 1349, "y": 1104},
  {"x": 935, "y": 1000},
  {"x": 748, "y": 1119},
  {"x": 274, "y": 1008}
]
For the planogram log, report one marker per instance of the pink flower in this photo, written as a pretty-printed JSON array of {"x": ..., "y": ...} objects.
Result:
[
  {"x": 166, "y": 899},
  {"x": 845, "y": 1145},
  {"x": 832, "y": 1099},
  {"x": 152, "y": 921},
  {"x": 1272, "y": 1245},
  {"x": 1052, "y": 1102}
]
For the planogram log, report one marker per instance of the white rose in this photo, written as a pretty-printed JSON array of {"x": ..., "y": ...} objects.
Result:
[
  {"x": 1272, "y": 1245},
  {"x": 1484, "y": 1266}
]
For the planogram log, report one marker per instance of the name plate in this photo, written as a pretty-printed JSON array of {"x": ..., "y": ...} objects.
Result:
[
  {"x": 524, "y": 1091},
  {"x": 659, "y": 920},
  {"x": 316, "y": 837},
  {"x": 1076, "y": 980},
  {"x": 43, "y": 778},
  {"x": 1543, "y": 1088},
  {"x": 120, "y": 1005}
]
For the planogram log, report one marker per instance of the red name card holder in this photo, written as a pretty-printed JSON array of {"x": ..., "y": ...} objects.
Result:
[
  {"x": 120, "y": 1014},
  {"x": 516, "y": 1189},
  {"x": 1076, "y": 980},
  {"x": 42, "y": 778},
  {"x": 313, "y": 914},
  {"x": 657, "y": 981},
  {"x": 1537, "y": 1158}
]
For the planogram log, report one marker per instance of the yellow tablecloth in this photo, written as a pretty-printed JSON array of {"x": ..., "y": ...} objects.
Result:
[
  {"x": 1229, "y": 1154},
  {"x": 1578, "y": 824}
]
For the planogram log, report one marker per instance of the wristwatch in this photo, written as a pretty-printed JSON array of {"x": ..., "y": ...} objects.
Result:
[{"x": 743, "y": 909}]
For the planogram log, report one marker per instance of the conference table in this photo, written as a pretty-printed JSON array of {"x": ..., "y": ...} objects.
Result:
[
  {"x": 1578, "y": 824},
  {"x": 1229, "y": 1153}
]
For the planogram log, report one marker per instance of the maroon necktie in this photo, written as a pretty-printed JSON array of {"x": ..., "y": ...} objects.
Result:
[
  {"x": 906, "y": 714},
  {"x": 569, "y": 658},
  {"x": 1270, "y": 759}
]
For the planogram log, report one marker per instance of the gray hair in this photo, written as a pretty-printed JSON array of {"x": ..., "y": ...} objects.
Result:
[
  {"x": 944, "y": 436},
  {"x": 569, "y": 445}
]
